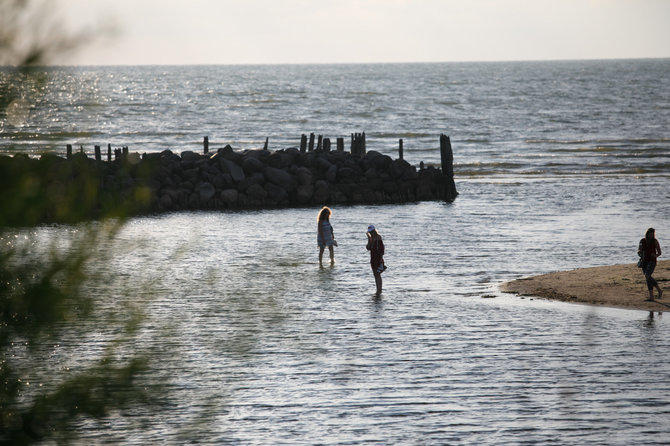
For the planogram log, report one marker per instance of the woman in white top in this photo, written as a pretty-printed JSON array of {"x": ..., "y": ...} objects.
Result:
[{"x": 325, "y": 235}]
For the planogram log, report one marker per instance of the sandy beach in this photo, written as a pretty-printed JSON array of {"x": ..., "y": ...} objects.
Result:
[{"x": 621, "y": 286}]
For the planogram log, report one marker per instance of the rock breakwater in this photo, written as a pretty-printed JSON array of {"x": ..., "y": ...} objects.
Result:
[{"x": 79, "y": 187}]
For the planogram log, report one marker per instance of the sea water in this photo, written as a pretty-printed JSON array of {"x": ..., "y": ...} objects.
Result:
[{"x": 559, "y": 165}]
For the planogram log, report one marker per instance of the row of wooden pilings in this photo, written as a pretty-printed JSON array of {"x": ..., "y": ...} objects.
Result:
[
  {"x": 118, "y": 153},
  {"x": 357, "y": 144},
  {"x": 357, "y": 149}
]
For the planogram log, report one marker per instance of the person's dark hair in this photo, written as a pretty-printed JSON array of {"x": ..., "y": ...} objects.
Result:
[
  {"x": 324, "y": 214},
  {"x": 651, "y": 232}
]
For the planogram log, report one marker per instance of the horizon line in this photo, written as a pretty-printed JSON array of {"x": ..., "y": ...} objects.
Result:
[{"x": 66, "y": 65}]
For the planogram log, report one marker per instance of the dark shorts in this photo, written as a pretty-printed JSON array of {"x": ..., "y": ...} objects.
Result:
[
  {"x": 648, "y": 270},
  {"x": 378, "y": 267}
]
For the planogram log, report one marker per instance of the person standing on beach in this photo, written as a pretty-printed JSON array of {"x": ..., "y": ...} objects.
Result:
[
  {"x": 325, "y": 235},
  {"x": 376, "y": 247},
  {"x": 648, "y": 250}
]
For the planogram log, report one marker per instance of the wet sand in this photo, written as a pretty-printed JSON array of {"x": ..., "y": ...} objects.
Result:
[{"x": 620, "y": 286}]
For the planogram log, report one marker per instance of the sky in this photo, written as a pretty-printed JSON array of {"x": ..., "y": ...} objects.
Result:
[{"x": 170, "y": 32}]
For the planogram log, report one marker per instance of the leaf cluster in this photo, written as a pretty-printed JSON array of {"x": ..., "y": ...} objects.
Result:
[
  {"x": 45, "y": 300},
  {"x": 31, "y": 33},
  {"x": 42, "y": 301}
]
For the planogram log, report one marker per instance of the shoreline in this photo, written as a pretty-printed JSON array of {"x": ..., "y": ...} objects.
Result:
[{"x": 616, "y": 286}]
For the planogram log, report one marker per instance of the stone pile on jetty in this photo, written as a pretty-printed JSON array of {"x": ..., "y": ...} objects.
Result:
[
  {"x": 222, "y": 179},
  {"x": 259, "y": 178}
]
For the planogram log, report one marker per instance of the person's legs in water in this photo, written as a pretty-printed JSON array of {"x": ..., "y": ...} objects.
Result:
[
  {"x": 332, "y": 254},
  {"x": 321, "y": 248},
  {"x": 378, "y": 282}
]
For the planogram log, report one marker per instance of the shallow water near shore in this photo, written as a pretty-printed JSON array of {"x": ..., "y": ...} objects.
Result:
[
  {"x": 259, "y": 345},
  {"x": 559, "y": 166}
]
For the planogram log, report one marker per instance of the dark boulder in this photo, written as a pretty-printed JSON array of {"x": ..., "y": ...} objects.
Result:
[
  {"x": 304, "y": 193},
  {"x": 251, "y": 164},
  {"x": 235, "y": 171},
  {"x": 256, "y": 178},
  {"x": 276, "y": 194},
  {"x": 229, "y": 196},
  {"x": 206, "y": 192},
  {"x": 280, "y": 178},
  {"x": 304, "y": 175},
  {"x": 256, "y": 192}
]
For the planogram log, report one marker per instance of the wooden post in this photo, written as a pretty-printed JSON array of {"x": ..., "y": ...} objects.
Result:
[
  {"x": 205, "y": 144},
  {"x": 340, "y": 144},
  {"x": 124, "y": 151},
  {"x": 109, "y": 153},
  {"x": 447, "y": 157},
  {"x": 81, "y": 149},
  {"x": 117, "y": 154},
  {"x": 355, "y": 145},
  {"x": 98, "y": 156},
  {"x": 68, "y": 151},
  {"x": 319, "y": 144},
  {"x": 400, "y": 154},
  {"x": 358, "y": 145},
  {"x": 267, "y": 139},
  {"x": 311, "y": 142},
  {"x": 326, "y": 144},
  {"x": 303, "y": 143}
]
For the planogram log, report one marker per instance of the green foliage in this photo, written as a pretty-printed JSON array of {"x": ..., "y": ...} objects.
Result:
[
  {"x": 42, "y": 304},
  {"x": 45, "y": 303},
  {"x": 55, "y": 190},
  {"x": 31, "y": 33}
]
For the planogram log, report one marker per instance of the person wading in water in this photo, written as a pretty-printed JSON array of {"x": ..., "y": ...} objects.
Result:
[
  {"x": 376, "y": 247},
  {"x": 325, "y": 235}
]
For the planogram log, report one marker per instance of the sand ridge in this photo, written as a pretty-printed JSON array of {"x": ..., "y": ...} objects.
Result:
[{"x": 620, "y": 286}]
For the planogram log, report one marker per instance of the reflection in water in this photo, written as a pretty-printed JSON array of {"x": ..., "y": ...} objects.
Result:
[{"x": 650, "y": 322}]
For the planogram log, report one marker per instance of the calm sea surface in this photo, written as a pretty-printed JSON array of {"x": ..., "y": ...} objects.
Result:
[{"x": 559, "y": 165}]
